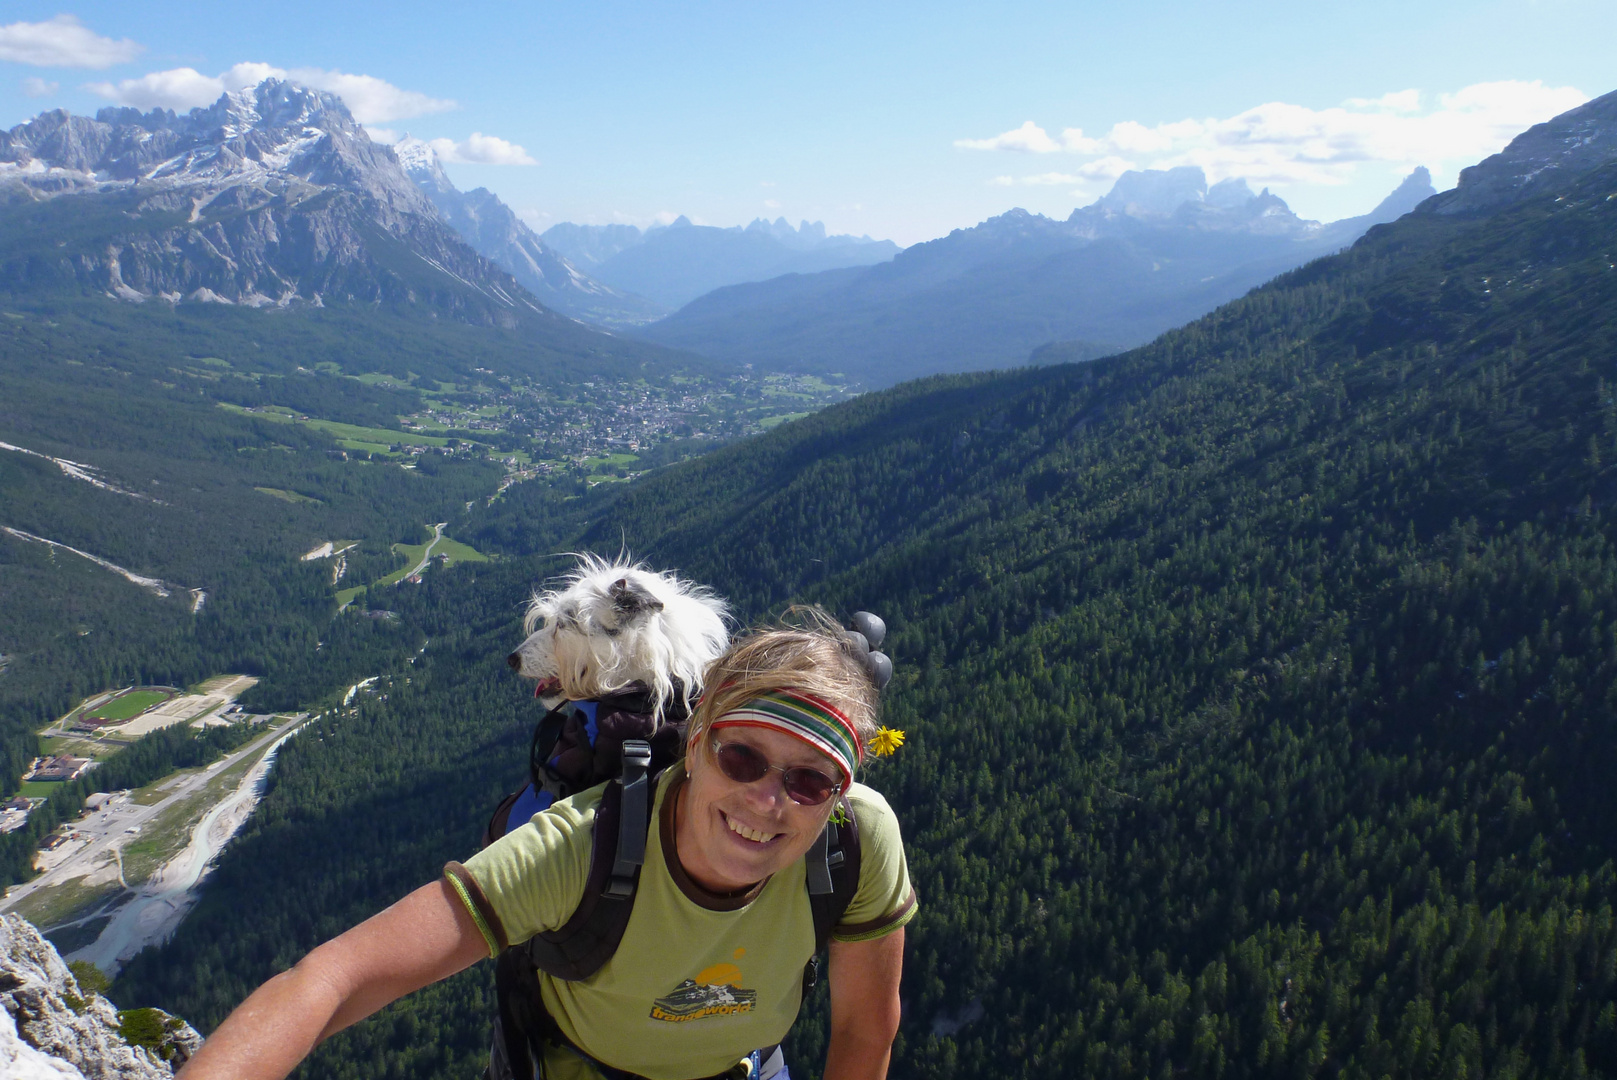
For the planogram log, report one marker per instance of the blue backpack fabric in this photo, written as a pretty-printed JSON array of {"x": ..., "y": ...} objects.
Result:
[{"x": 532, "y": 799}]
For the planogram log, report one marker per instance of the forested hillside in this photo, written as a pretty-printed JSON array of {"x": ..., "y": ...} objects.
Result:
[
  {"x": 205, "y": 449},
  {"x": 1259, "y": 686}
]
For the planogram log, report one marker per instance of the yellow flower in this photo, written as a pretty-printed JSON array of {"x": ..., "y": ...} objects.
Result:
[{"x": 886, "y": 741}]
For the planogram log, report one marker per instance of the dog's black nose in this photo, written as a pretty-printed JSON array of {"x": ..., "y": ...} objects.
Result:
[{"x": 515, "y": 660}]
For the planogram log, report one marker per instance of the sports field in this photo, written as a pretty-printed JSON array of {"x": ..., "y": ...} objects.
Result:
[{"x": 130, "y": 705}]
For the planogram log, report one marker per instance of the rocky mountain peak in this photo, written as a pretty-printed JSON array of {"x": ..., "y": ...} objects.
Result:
[
  {"x": 421, "y": 164},
  {"x": 1154, "y": 193},
  {"x": 1180, "y": 198},
  {"x": 244, "y": 172},
  {"x": 274, "y": 131},
  {"x": 418, "y": 158},
  {"x": 1230, "y": 193}
]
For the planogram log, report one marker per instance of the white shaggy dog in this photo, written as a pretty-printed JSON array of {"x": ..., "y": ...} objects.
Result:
[{"x": 612, "y": 623}]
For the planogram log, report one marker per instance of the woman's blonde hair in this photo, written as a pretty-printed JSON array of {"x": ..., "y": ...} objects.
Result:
[{"x": 807, "y": 651}]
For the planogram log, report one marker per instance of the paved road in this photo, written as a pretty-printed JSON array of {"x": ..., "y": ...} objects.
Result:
[
  {"x": 161, "y": 903},
  {"x": 426, "y": 556},
  {"x": 108, "y": 830}
]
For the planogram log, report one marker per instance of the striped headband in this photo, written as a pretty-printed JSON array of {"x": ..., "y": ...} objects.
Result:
[{"x": 805, "y": 718}]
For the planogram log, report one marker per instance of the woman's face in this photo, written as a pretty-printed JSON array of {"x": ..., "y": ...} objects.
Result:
[{"x": 732, "y": 836}]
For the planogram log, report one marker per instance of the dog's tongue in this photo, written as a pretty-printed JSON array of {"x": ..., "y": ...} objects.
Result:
[{"x": 547, "y": 687}]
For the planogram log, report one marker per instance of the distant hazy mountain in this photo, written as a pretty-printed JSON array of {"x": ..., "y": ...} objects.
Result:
[
  {"x": 591, "y": 245},
  {"x": 1416, "y": 189},
  {"x": 1161, "y": 248},
  {"x": 674, "y": 264},
  {"x": 494, "y": 230},
  {"x": 271, "y": 196}
]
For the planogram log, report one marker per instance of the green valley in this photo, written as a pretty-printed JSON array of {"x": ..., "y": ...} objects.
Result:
[{"x": 1258, "y": 685}]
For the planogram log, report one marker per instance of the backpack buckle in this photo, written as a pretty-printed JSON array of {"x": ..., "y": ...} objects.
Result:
[{"x": 632, "y": 817}]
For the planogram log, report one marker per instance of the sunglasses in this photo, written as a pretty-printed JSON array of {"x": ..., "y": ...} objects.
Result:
[{"x": 744, "y": 765}]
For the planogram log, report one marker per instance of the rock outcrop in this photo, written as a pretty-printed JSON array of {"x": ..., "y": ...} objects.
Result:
[
  {"x": 53, "y": 1027},
  {"x": 1540, "y": 159},
  {"x": 273, "y": 195}
]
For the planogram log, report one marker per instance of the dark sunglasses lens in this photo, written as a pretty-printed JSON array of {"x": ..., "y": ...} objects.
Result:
[
  {"x": 742, "y": 763},
  {"x": 809, "y": 787}
]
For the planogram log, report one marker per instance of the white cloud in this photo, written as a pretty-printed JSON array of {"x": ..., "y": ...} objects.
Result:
[
  {"x": 773, "y": 204},
  {"x": 1002, "y": 181},
  {"x": 1403, "y": 101},
  {"x": 1106, "y": 168},
  {"x": 33, "y": 87},
  {"x": 251, "y": 73},
  {"x": 178, "y": 88},
  {"x": 1027, "y": 139},
  {"x": 1278, "y": 143},
  {"x": 370, "y": 99},
  {"x": 63, "y": 42},
  {"x": 382, "y": 134},
  {"x": 480, "y": 149}
]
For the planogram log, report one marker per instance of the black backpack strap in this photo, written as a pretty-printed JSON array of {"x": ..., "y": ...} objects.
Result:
[
  {"x": 634, "y": 822},
  {"x": 580, "y": 947},
  {"x": 522, "y": 1024},
  {"x": 832, "y": 868},
  {"x": 499, "y": 822}
]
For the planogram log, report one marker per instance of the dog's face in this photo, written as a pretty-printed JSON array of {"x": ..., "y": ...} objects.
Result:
[{"x": 614, "y": 624}]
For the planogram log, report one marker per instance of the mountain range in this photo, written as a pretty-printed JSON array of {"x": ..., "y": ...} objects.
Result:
[
  {"x": 273, "y": 196},
  {"x": 1257, "y": 682},
  {"x": 1161, "y": 248},
  {"x": 674, "y": 264},
  {"x": 494, "y": 230}
]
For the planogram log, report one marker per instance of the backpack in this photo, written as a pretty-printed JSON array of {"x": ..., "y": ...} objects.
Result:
[{"x": 618, "y": 740}]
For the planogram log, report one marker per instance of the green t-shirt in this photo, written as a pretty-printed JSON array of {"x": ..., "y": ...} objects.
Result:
[{"x": 700, "y": 980}]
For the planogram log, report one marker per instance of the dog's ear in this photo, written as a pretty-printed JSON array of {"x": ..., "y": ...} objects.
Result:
[{"x": 631, "y": 599}]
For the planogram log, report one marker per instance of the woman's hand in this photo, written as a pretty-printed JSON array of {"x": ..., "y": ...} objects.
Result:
[
  {"x": 864, "y": 1006},
  {"x": 423, "y": 938}
]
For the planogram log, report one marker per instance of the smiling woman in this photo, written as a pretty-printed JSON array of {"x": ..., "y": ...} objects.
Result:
[{"x": 710, "y": 971}]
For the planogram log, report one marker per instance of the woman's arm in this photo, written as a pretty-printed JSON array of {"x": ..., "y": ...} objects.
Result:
[
  {"x": 425, "y": 937},
  {"x": 864, "y": 1006}
]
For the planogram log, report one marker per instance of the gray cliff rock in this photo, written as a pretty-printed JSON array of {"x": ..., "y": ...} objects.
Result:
[
  {"x": 1538, "y": 160},
  {"x": 51, "y": 1027},
  {"x": 273, "y": 195}
]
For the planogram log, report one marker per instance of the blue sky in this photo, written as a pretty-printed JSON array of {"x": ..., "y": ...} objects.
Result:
[{"x": 897, "y": 120}]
